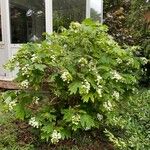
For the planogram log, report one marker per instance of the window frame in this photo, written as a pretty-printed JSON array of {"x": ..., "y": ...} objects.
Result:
[
  {"x": 48, "y": 18},
  {"x": 2, "y": 23},
  {"x": 17, "y": 45}
]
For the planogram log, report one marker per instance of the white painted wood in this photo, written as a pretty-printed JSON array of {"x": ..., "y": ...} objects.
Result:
[
  {"x": 49, "y": 16},
  {"x": 4, "y": 48},
  {"x": 97, "y": 5},
  {"x": 87, "y": 8}
]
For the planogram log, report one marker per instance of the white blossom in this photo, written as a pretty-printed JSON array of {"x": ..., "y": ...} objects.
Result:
[
  {"x": 144, "y": 60},
  {"x": 116, "y": 95},
  {"x": 76, "y": 119},
  {"x": 116, "y": 75},
  {"x": 36, "y": 100},
  {"x": 99, "y": 78},
  {"x": 56, "y": 136},
  {"x": 34, "y": 58},
  {"x": 99, "y": 117},
  {"x": 53, "y": 58},
  {"x": 66, "y": 76},
  {"x": 25, "y": 69},
  {"x": 99, "y": 91},
  {"x": 34, "y": 123},
  {"x": 75, "y": 25},
  {"x": 83, "y": 62},
  {"x": 86, "y": 86},
  {"x": 130, "y": 61},
  {"x": 12, "y": 104},
  {"x": 107, "y": 105},
  {"x": 25, "y": 84},
  {"x": 119, "y": 61},
  {"x": 92, "y": 67}
]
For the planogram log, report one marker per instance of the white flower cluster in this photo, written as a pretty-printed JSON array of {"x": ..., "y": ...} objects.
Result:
[
  {"x": 116, "y": 75},
  {"x": 144, "y": 60},
  {"x": 116, "y": 95},
  {"x": 66, "y": 77},
  {"x": 25, "y": 69},
  {"x": 12, "y": 104},
  {"x": 119, "y": 61},
  {"x": 75, "y": 25},
  {"x": 53, "y": 58},
  {"x": 56, "y": 136},
  {"x": 99, "y": 78},
  {"x": 83, "y": 62},
  {"x": 34, "y": 123},
  {"x": 92, "y": 67},
  {"x": 99, "y": 90},
  {"x": 86, "y": 86},
  {"x": 34, "y": 58},
  {"x": 76, "y": 119},
  {"x": 107, "y": 105},
  {"x": 99, "y": 117},
  {"x": 130, "y": 61},
  {"x": 36, "y": 100},
  {"x": 24, "y": 84}
]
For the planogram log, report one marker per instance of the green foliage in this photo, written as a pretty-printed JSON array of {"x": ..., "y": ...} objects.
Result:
[
  {"x": 136, "y": 19},
  {"x": 73, "y": 81},
  {"x": 9, "y": 131},
  {"x": 135, "y": 123}
]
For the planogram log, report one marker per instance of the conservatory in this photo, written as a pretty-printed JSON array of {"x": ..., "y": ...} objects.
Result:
[{"x": 23, "y": 21}]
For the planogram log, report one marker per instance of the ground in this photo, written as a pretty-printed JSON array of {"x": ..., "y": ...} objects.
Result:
[{"x": 18, "y": 135}]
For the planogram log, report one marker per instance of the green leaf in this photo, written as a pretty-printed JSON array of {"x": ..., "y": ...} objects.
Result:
[
  {"x": 65, "y": 134},
  {"x": 20, "y": 112},
  {"x": 47, "y": 128},
  {"x": 87, "y": 121},
  {"x": 88, "y": 97},
  {"x": 40, "y": 67},
  {"x": 73, "y": 87}
]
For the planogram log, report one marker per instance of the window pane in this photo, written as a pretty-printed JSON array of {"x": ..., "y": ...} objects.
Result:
[
  {"x": 27, "y": 19},
  {"x": 65, "y": 11},
  {"x": 0, "y": 25},
  {"x": 96, "y": 10}
]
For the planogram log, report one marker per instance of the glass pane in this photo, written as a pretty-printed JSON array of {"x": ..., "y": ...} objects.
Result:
[
  {"x": 27, "y": 19},
  {"x": 65, "y": 11},
  {"x": 0, "y": 25},
  {"x": 96, "y": 10}
]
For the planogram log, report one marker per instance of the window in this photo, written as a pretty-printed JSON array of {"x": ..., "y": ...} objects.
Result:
[
  {"x": 27, "y": 20},
  {"x": 96, "y": 10},
  {"x": 65, "y": 11},
  {"x": 0, "y": 25}
]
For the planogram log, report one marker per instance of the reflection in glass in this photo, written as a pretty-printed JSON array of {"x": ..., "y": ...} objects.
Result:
[
  {"x": 96, "y": 10},
  {"x": 27, "y": 19},
  {"x": 0, "y": 25},
  {"x": 65, "y": 11}
]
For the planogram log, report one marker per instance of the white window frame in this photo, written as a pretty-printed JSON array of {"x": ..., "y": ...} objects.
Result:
[
  {"x": 2, "y": 24},
  {"x": 47, "y": 24},
  {"x": 48, "y": 19},
  {"x": 88, "y": 9}
]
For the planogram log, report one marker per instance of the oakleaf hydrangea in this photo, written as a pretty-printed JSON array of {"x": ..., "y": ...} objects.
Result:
[{"x": 55, "y": 137}]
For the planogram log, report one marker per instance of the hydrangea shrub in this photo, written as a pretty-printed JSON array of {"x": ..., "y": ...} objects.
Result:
[{"x": 73, "y": 81}]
